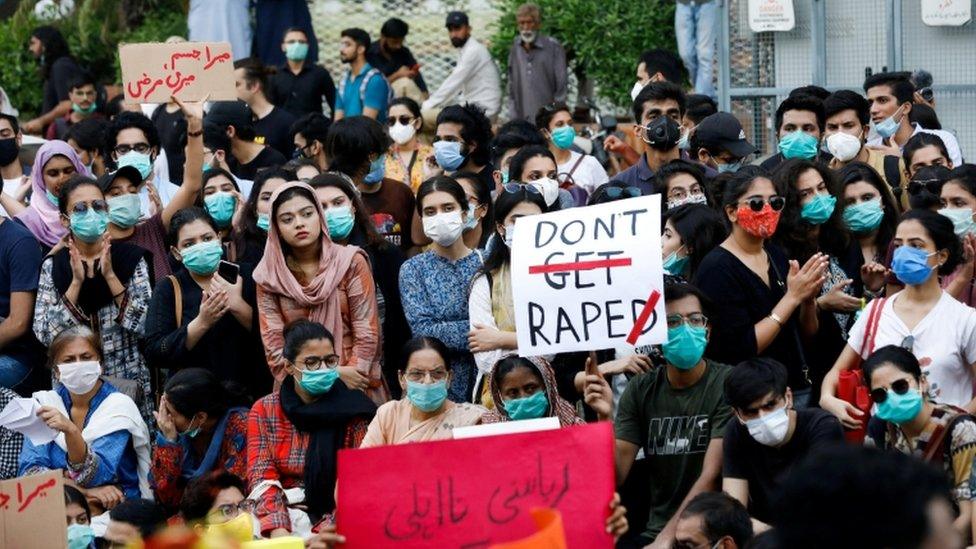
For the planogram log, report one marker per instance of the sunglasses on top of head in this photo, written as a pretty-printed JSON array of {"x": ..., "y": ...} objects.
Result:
[
  {"x": 899, "y": 386},
  {"x": 777, "y": 203},
  {"x": 934, "y": 186}
]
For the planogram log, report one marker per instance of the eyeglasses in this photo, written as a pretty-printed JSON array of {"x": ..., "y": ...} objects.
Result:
[
  {"x": 231, "y": 510},
  {"x": 403, "y": 118},
  {"x": 681, "y": 194},
  {"x": 513, "y": 188},
  {"x": 933, "y": 186},
  {"x": 617, "y": 192},
  {"x": 899, "y": 386},
  {"x": 97, "y": 205},
  {"x": 313, "y": 363},
  {"x": 141, "y": 148},
  {"x": 777, "y": 203},
  {"x": 695, "y": 320},
  {"x": 417, "y": 376}
]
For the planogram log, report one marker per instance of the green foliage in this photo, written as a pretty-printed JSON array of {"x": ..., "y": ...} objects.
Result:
[
  {"x": 603, "y": 38},
  {"x": 93, "y": 33}
]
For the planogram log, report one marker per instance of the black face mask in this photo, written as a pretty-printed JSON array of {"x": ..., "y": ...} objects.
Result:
[
  {"x": 662, "y": 133},
  {"x": 8, "y": 151}
]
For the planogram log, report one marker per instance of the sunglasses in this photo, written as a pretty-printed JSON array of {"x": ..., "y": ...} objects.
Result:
[
  {"x": 403, "y": 118},
  {"x": 97, "y": 205},
  {"x": 899, "y": 386},
  {"x": 617, "y": 192},
  {"x": 933, "y": 186},
  {"x": 777, "y": 203},
  {"x": 513, "y": 188}
]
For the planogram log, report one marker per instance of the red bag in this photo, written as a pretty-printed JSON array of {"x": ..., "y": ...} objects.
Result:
[{"x": 850, "y": 385}]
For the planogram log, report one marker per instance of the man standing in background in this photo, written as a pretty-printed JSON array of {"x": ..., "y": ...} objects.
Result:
[
  {"x": 696, "y": 28},
  {"x": 536, "y": 67}
]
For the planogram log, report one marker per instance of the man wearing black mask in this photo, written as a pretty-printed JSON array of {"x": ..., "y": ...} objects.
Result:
[
  {"x": 10, "y": 167},
  {"x": 658, "y": 110}
]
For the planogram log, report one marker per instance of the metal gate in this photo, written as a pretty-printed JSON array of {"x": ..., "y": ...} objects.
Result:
[{"x": 832, "y": 45}]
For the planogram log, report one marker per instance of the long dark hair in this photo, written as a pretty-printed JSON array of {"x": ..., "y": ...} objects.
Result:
[
  {"x": 55, "y": 47},
  {"x": 443, "y": 183},
  {"x": 504, "y": 204},
  {"x": 249, "y": 217},
  {"x": 793, "y": 234},
  {"x": 700, "y": 227},
  {"x": 184, "y": 217},
  {"x": 342, "y": 182},
  {"x": 859, "y": 172},
  {"x": 942, "y": 232},
  {"x": 195, "y": 390},
  {"x": 420, "y": 343}
]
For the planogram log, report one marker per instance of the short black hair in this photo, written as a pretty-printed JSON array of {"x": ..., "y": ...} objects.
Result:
[
  {"x": 313, "y": 126},
  {"x": 74, "y": 495},
  {"x": 819, "y": 92},
  {"x": 255, "y": 72},
  {"x": 350, "y": 143},
  {"x": 522, "y": 157},
  {"x": 924, "y": 116},
  {"x": 359, "y": 36},
  {"x": 69, "y": 187},
  {"x": 215, "y": 139},
  {"x": 126, "y": 120},
  {"x": 673, "y": 291},
  {"x": 940, "y": 229},
  {"x": 300, "y": 332},
  {"x": 547, "y": 112},
  {"x": 900, "y": 84},
  {"x": 475, "y": 128},
  {"x": 658, "y": 91},
  {"x": 201, "y": 492},
  {"x": 892, "y": 355},
  {"x": 89, "y": 134},
  {"x": 395, "y": 28},
  {"x": 921, "y": 140},
  {"x": 664, "y": 62},
  {"x": 444, "y": 183},
  {"x": 14, "y": 124},
  {"x": 843, "y": 100},
  {"x": 410, "y": 104},
  {"x": 144, "y": 514},
  {"x": 514, "y": 134},
  {"x": 721, "y": 515},
  {"x": 753, "y": 379},
  {"x": 673, "y": 168},
  {"x": 294, "y": 29},
  {"x": 699, "y": 107},
  {"x": 80, "y": 79},
  {"x": 739, "y": 182},
  {"x": 807, "y": 103}
]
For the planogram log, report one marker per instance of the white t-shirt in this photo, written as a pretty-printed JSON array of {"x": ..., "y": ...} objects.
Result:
[
  {"x": 589, "y": 174},
  {"x": 945, "y": 344}
]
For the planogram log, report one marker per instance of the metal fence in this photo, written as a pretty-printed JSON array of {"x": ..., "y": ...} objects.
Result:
[{"x": 833, "y": 44}]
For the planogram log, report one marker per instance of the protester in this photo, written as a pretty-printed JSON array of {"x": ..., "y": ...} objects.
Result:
[
  {"x": 719, "y": 143},
  {"x": 680, "y": 182},
  {"x": 234, "y": 118},
  {"x": 103, "y": 443},
  {"x": 57, "y": 68},
  {"x": 434, "y": 284},
  {"x": 462, "y": 140},
  {"x": 272, "y": 124},
  {"x": 83, "y": 97},
  {"x": 408, "y": 155},
  {"x": 300, "y": 86},
  {"x": 310, "y": 133},
  {"x": 924, "y": 150},
  {"x": 958, "y": 201},
  {"x": 305, "y": 168},
  {"x": 479, "y": 226},
  {"x": 10, "y": 441},
  {"x": 11, "y": 168},
  {"x": 395, "y": 60},
  {"x": 580, "y": 170},
  {"x": 221, "y": 199},
  {"x": 363, "y": 91},
  {"x": 78, "y": 515},
  {"x": 714, "y": 519},
  {"x": 131, "y": 521},
  {"x": 294, "y": 434},
  {"x": 475, "y": 77},
  {"x": 132, "y": 140},
  {"x": 800, "y": 122},
  {"x": 537, "y": 74},
  {"x": 509, "y": 139},
  {"x": 202, "y": 427},
  {"x": 215, "y": 497},
  {"x": 870, "y": 213},
  {"x": 86, "y": 138},
  {"x": 658, "y": 109},
  {"x": 689, "y": 233},
  {"x": 534, "y": 165},
  {"x": 275, "y": 18},
  {"x": 925, "y": 187},
  {"x": 255, "y": 219},
  {"x": 170, "y": 125}
]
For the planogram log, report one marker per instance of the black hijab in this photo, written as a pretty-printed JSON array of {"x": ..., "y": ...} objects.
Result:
[
  {"x": 95, "y": 293},
  {"x": 325, "y": 419}
]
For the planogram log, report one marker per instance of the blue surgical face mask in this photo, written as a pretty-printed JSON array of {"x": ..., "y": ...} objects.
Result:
[
  {"x": 889, "y": 126},
  {"x": 89, "y": 226},
  {"x": 377, "y": 169},
  {"x": 448, "y": 155},
  {"x": 137, "y": 160},
  {"x": 80, "y": 536},
  {"x": 296, "y": 51},
  {"x": 339, "y": 220},
  {"x": 900, "y": 408},
  {"x": 124, "y": 210},
  {"x": 962, "y": 220},
  {"x": 319, "y": 382},
  {"x": 864, "y": 217},
  {"x": 427, "y": 397},
  {"x": 530, "y": 407},
  {"x": 819, "y": 209},
  {"x": 563, "y": 136},
  {"x": 264, "y": 222},
  {"x": 202, "y": 258},
  {"x": 730, "y": 167},
  {"x": 799, "y": 144},
  {"x": 220, "y": 206},
  {"x": 911, "y": 265},
  {"x": 685, "y": 346},
  {"x": 675, "y": 265},
  {"x": 472, "y": 221}
]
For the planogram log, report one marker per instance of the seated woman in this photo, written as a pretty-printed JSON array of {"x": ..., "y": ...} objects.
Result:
[
  {"x": 77, "y": 513},
  {"x": 217, "y": 500},
  {"x": 294, "y": 434},
  {"x": 221, "y": 197},
  {"x": 212, "y": 311},
  {"x": 202, "y": 426},
  {"x": 425, "y": 414},
  {"x": 103, "y": 443},
  {"x": 255, "y": 218},
  {"x": 92, "y": 282}
]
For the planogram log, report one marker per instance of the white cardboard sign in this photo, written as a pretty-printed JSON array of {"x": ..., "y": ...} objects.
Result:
[
  {"x": 771, "y": 15},
  {"x": 946, "y": 13}
]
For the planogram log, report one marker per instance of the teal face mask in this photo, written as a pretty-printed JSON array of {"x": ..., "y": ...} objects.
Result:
[
  {"x": 137, "y": 160},
  {"x": 504, "y": 177},
  {"x": 319, "y": 382},
  {"x": 472, "y": 221},
  {"x": 89, "y": 226},
  {"x": 81, "y": 110},
  {"x": 900, "y": 408},
  {"x": 818, "y": 210},
  {"x": 377, "y": 169},
  {"x": 339, "y": 220},
  {"x": 220, "y": 206},
  {"x": 530, "y": 407},
  {"x": 685, "y": 346},
  {"x": 563, "y": 137},
  {"x": 962, "y": 220},
  {"x": 80, "y": 536},
  {"x": 427, "y": 397},
  {"x": 202, "y": 258},
  {"x": 264, "y": 222},
  {"x": 124, "y": 210},
  {"x": 798, "y": 145},
  {"x": 675, "y": 265},
  {"x": 864, "y": 217},
  {"x": 51, "y": 197},
  {"x": 296, "y": 51},
  {"x": 207, "y": 166},
  {"x": 191, "y": 431}
]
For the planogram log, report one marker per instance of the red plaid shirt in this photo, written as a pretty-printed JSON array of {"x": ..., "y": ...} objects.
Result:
[{"x": 276, "y": 451}]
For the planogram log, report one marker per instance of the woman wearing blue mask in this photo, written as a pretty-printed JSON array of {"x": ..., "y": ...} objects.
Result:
[
  {"x": 425, "y": 413},
  {"x": 958, "y": 201},
  {"x": 940, "y": 434},
  {"x": 202, "y": 428},
  {"x": 294, "y": 434},
  {"x": 937, "y": 329},
  {"x": 221, "y": 198},
  {"x": 255, "y": 218},
  {"x": 78, "y": 514},
  {"x": 870, "y": 213},
  {"x": 94, "y": 282},
  {"x": 349, "y": 225},
  {"x": 196, "y": 311},
  {"x": 690, "y": 232}
]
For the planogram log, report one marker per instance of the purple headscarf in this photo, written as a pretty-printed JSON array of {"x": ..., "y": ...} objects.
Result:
[{"x": 42, "y": 216}]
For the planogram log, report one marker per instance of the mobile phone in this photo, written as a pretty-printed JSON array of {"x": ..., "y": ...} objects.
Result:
[{"x": 228, "y": 271}]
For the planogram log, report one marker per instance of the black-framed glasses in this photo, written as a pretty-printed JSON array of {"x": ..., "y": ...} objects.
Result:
[
  {"x": 756, "y": 204},
  {"x": 231, "y": 510},
  {"x": 404, "y": 119},
  {"x": 313, "y": 363},
  {"x": 82, "y": 207},
  {"x": 933, "y": 186},
  {"x": 141, "y": 148},
  {"x": 614, "y": 193},
  {"x": 695, "y": 320},
  {"x": 418, "y": 376},
  {"x": 513, "y": 188},
  {"x": 899, "y": 386}
]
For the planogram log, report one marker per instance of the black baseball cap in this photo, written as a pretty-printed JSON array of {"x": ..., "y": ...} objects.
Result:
[
  {"x": 129, "y": 173},
  {"x": 230, "y": 113},
  {"x": 723, "y": 130},
  {"x": 456, "y": 19}
]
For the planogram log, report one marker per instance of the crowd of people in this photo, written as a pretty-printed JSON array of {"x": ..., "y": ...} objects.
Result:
[{"x": 208, "y": 302}]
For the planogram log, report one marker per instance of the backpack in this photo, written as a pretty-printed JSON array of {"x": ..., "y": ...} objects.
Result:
[{"x": 362, "y": 86}]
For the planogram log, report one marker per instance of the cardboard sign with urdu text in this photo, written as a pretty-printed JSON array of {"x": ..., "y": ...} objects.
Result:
[
  {"x": 32, "y": 512},
  {"x": 152, "y": 72}
]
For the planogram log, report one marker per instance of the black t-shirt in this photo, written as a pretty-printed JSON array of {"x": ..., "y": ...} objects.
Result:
[
  {"x": 390, "y": 62},
  {"x": 302, "y": 93},
  {"x": 266, "y": 158},
  {"x": 765, "y": 467},
  {"x": 56, "y": 84},
  {"x": 20, "y": 267},
  {"x": 171, "y": 127},
  {"x": 275, "y": 129}
]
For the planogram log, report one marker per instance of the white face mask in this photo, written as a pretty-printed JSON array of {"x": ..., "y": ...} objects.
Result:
[
  {"x": 79, "y": 377},
  {"x": 635, "y": 91},
  {"x": 549, "y": 189},
  {"x": 843, "y": 146},
  {"x": 402, "y": 133},
  {"x": 770, "y": 429},
  {"x": 509, "y": 235},
  {"x": 444, "y": 228},
  {"x": 690, "y": 199}
]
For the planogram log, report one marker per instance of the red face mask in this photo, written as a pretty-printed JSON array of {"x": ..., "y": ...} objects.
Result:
[{"x": 761, "y": 224}]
